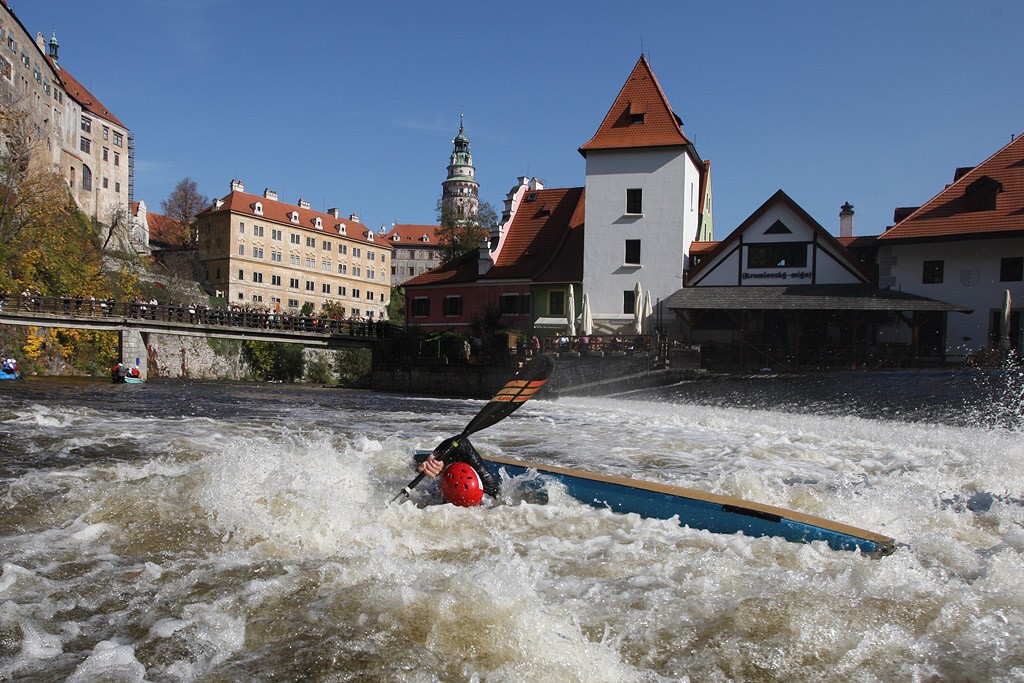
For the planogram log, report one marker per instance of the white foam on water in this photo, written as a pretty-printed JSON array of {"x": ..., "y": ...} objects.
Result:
[{"x": 245, "y": 548}]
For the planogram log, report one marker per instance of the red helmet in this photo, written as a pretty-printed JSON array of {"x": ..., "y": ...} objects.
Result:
[{"x": 461, "y": 485}]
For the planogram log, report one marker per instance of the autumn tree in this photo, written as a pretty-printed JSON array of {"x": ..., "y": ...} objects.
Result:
[
  {"x": 182, "y": 206},
  {"x": 457, "y": 236}
]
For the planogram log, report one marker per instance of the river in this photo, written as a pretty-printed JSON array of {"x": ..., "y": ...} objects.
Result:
[{"x": 191, "y": 531}]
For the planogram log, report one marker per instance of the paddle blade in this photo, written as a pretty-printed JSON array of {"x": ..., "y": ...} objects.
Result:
[{"x": 530, "y": 378}]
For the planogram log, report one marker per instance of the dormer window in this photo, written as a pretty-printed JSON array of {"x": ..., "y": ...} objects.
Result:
[
  {"x": 318, "y": 223},
  {"x": 396, "y": 238},
  {"x": 294, "y": 216},
  {"x": 982, "y": 193},
  {"x": 341, "y": 229},
  {"x": 257, "y": 208},
  {"x": 425, "y": 238},
  {"x": 636, "y": 112},
  {"x": 369, "y": 236}
]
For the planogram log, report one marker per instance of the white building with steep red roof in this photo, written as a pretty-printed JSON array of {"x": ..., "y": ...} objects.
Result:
[{"x": 647, "y": 200}]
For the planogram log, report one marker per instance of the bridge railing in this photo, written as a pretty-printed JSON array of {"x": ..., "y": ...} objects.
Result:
[{"x": 194, "y": 314}]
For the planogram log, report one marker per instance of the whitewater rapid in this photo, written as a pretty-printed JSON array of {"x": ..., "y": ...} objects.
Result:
[{"x": 243, "y": 532}]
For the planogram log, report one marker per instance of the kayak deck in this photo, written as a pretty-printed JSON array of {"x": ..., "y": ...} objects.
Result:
[{"x": 699, "y": 510}]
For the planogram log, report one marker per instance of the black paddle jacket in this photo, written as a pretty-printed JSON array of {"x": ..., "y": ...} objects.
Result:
[{"x": 464, "y": 452}]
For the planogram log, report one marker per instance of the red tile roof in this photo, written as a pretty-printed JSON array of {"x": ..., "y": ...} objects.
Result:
[
  {"x": 703, "y": 247},
  {"x": 640, "y": 116},
  {"x": 544, "y": 243},
  {"x": 81, "y": 94},
  {"x": 948, "y": 214},
  {"x": 280, "y": 212},
  {"x": 406, "y": 233}
]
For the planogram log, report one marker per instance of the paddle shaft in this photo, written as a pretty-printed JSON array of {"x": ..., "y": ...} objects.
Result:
[{"x": 516, "y": 391}]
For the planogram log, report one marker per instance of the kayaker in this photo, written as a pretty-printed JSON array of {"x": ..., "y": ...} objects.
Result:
[{"x": 462, "y": 452}]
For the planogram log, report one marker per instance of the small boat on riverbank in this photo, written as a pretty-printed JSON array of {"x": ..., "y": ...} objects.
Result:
[
  {"x": 9, "y": 375},
  {"x": 699, "y": 510}
]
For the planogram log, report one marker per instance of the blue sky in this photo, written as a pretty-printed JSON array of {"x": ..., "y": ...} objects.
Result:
[{"x": 354, "y": 105}]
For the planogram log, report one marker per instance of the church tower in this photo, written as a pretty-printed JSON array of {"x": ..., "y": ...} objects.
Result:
[{"x": 460, "y": 192}]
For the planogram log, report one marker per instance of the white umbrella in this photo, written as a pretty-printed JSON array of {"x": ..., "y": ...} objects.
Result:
[
  {"x": 570, "y": 309},
  {"x": 586, "y": 318},
  {"x": 1004, "y": 341},
  {"x": 638, "y": 308},
  {"x": 648, "y": 311}
]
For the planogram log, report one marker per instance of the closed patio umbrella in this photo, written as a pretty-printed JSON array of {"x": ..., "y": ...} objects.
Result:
[
  {"x": 638, "y": 308},
  {"x": 586, "y": 318},
  {"x": 1004, "y": 339},
  {"x": 648, "y": 312},
  {"x": 570, "y": 313}
]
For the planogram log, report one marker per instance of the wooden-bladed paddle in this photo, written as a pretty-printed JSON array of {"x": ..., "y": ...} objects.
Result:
[{"x": 515, "y": 393}]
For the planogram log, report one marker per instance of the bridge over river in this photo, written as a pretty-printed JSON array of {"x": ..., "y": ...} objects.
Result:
[{"x": 134, "y": 320}]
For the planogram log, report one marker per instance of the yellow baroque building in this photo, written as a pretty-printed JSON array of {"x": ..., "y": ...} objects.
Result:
[{"x": 259, "y": 252}]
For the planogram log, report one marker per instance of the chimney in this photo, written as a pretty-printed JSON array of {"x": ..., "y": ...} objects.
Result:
[
  {"x": 41, "y": 42},
  {"x": 484, "y": 261},
  {"x": 335, "y": 211},
  {"x": 237, "y": 186},
  {"x": 217, "y": 203},
  {"x": 354, "y": 217},
  {"x": 846, "y": 220},
  {"x": 303, "y": 204},
  {"x": 269, "y": 194}
]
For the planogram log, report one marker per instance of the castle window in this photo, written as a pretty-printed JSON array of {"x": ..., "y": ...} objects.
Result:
[
  {"x": 634, "y": 201},
  {"x": 294, "y": 216},
  {"x": 777, "y": 255},
  {"x": 421, "y": 307},
  {"x": 258, "y": 208},
  {"x": 319, "y": 223},
  {"x": 1011, "y": 269},
  {"x": 632, "y": 253},
  {"x": 86, "y": 178},
  {"x": 932, "y": 272},
  {"x": 86, "y": 124},
  {"x": 85, "y": 144}
]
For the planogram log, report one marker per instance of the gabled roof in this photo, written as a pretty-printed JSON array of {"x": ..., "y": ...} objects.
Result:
[
  {"x": 640, "y": 116},
  {"x": 412, "y": 234},
  {"x": 543, "y": 240},
  {"x": 779, "y": 197},
  {"x": 81, "y": 94},
  {"x": 280, "y": 212},
  {"x": 950, "y": 214}
]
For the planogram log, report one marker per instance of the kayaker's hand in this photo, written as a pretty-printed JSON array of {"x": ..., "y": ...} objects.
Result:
[{"x": 431, "y": 466}]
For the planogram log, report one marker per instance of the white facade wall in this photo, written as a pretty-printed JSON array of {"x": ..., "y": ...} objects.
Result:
[
  {"x": 823, "y": 265},
  {"x": 970, "y": 278},
  {"x": 671, "y": 183}
]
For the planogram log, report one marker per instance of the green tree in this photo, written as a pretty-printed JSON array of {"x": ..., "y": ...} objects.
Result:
[
  {"x": 396, "y": 307},
  {"x": 275, "y": 361},
  {"x": 182, "y": 206},
  {"x": 459, "y": 236}
]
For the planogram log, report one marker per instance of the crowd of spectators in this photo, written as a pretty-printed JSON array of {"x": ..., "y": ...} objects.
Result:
[{"x": 195, "y": 313}]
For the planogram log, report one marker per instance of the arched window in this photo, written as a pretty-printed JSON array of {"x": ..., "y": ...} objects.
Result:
[{"x": 86, "y": 178}]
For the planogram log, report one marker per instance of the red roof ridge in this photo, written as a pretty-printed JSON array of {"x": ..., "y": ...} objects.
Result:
[{"x": 946, "y": 213}]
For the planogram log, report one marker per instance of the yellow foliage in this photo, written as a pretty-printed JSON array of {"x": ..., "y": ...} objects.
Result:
[{"x": 35, "y": 342}]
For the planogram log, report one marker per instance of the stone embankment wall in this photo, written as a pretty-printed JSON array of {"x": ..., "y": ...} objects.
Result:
[
  {"x": 578, "y": 376},
  {"x": 172, "y": 356}
]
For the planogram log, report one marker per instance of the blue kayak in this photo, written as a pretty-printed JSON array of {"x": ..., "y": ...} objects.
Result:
[
  {"x": 698, "y": 510},
  {"x": 9, "y": 375}
]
